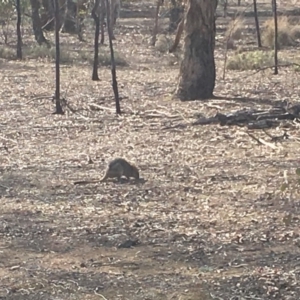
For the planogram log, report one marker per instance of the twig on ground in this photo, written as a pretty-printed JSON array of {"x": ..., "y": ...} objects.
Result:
[
  {"x": 100, "y": 295},
  {"x": 101, "y": 107},
  {"x": 284, "y": 136},
  {"x": 262, "y": 142},
  {"x": 40, "y": 98}
]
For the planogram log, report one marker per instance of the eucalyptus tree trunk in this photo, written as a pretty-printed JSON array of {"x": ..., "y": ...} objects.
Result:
[
  {"x": 197, "y": 72},
  {"x": 59, "y": 109},
  {"x": 19, "y": 35},
  {"x": 96, "y": 18}
]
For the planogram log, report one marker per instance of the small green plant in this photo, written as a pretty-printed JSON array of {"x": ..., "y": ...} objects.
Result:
[{"x": 250, "y": 60}]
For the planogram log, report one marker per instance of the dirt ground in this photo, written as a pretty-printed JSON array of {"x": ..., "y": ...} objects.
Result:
[{"x": 208, "y": 220}]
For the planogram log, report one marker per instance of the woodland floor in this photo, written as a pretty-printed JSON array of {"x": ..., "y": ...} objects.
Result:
[{"x": 210, "y": 218}]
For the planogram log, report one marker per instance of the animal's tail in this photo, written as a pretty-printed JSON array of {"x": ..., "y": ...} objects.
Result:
[{"x": 85, "y": 182}]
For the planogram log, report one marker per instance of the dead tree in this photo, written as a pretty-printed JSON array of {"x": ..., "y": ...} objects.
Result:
[
  {"x": 59, "y": 109},
  {"x": 114, "y": 11},
  {"x": 155, "y": 29},
  {"x": 101, "y": 10},
  {"x": 113, "y": 63},
  {"x": 73, "y": 19},
  {"x": 225, "y": 4},
  {"x": 19, "y": 35},
  {"x": 36, "y": 23},
  {"x": 178, "y": 34},
  {"x": 198, "y": 72},
  {"x": 257, "y": 24},
  {"x": 274, "y": 8},
  {"x": 96, "y": 18},
  {"x": 176, "y": 13},
  {"x": 98, "y": 14},
  {"x": 179, "y": 30}
]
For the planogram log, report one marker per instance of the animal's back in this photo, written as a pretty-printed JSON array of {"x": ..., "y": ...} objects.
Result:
[
  {"x": 119, "y": 167},
  {"x": 117, "y": 161},
  {"x": 126, "y": 168}
]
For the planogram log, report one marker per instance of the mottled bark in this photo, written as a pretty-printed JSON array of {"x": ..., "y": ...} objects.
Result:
[{"x": 197, "y": 72}]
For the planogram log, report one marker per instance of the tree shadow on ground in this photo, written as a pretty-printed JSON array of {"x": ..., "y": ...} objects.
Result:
[
  {"x": 69, "y": 242},
  {"x": 159, "y": 264},
  {"x": 245, "y": 100}
]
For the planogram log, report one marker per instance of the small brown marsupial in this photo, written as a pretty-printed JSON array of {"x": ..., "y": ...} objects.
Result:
[{"x": 116, "y": 169}]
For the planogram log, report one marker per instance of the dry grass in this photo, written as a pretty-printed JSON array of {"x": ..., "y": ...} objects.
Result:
[
  {"x": 235, "y": 29},
  {"x": 234, "y": 32},
  {"x": 287, "y": 32},
  {"x": 210, "y": 217}
]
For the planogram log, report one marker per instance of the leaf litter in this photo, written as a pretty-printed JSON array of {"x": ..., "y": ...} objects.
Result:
[{"x": 210, "y": 219}]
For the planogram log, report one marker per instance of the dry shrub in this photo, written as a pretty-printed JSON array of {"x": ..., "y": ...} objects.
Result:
[
  {"x": 7, "y": 53},
  {"x": 250, "y": 60},
  {"x": 286, "y": 32},
  {"x": 43, "y": 52},
  {"x": 104, "y": 58},
  {"x": 296, "y": 31},
  {"x": 66, "y": 56},
  {"x": 235, "y": 29},
  {"x": 162, "y": 44},
  {"x": 230, "y": 44}
]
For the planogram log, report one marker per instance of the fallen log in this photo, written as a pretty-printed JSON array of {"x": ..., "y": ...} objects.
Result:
[{"x": 253, "y": 118}]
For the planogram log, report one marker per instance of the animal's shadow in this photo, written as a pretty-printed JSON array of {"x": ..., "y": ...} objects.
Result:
[{"x": 131, "y": 182}]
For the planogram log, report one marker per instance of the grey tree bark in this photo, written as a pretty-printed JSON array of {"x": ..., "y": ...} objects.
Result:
[{"x": 197, "y": 72}]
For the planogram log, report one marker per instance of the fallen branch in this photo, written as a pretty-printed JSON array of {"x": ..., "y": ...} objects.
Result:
[
  {"x": 253, "y": 118},
  {"x": 284, "y": 136}
]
